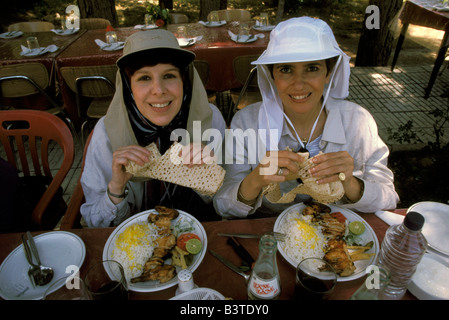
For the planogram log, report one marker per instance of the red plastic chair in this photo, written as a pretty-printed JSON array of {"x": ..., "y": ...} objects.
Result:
[
  {"x": 27, "y": 136},
  {"x": 72, "y": 217}
]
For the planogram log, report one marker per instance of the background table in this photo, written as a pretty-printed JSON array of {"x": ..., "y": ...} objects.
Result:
[
  {"x": 416, "y": 12},
  {"x": 211, "y": 273},
  {"x": 10, "y": 54}
]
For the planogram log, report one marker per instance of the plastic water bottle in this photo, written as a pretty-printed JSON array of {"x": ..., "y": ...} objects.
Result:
[
  {"x": 374, "y": 285},
  {"x": 402, "y": 249},
  {"x": 264, "y": 282}
]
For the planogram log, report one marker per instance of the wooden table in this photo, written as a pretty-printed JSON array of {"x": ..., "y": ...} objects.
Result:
[
  {"x": 416, "y": 12},
  {"x": 10, "y": 54},
  {"x": 215, "y": 47},
  {"x": 211, "y": 273}
]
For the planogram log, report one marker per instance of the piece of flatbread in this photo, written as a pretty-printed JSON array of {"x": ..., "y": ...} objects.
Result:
[
  {"x": 323, "y": 193},
  {"x": 206, "y": 178}
]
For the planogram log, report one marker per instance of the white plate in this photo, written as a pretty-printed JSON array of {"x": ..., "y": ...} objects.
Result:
[
  {"x": 368, "y": 235},
  {"x": 436, "y": 225},
  {"x": 115, "y": 46},
  {"x": 34, "y": 52},
  {"x": 264, "y": 28},
  {"x": 152, "y": 286},
  {"x": 144, "y": 27},
  {"x": 244, "y": 39},
  {"x": 214, "y": 24},
  {"x": 57, "y": 249},
  {"x": 186, "y": 42},
  {"x": 431, "y": 279},
  {"x": 66, "y": 32},
  {"x": 11, "y": 35}
]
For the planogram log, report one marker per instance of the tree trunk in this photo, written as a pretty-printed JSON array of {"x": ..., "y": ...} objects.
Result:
[
  {"x": 99, "y": 9},
  {"x": 280, "y": 11},
  {"x": 168, "y": 4},
  {"x": 325, "y": 10},
  {"x": 207, "y": 6},
  {"x": 375, "y": 44},
  {"x": 223, "y": 4}
]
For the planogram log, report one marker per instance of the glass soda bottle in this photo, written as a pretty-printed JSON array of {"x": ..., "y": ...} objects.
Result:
[
  {"x": 402, "y": 249},
  {"x": 264, "y": 282}
]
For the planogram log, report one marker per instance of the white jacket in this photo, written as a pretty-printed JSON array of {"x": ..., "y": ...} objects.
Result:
[{"x": 348, "y": 127}]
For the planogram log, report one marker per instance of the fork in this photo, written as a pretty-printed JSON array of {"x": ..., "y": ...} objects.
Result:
[{"x": 34, "y": 270}]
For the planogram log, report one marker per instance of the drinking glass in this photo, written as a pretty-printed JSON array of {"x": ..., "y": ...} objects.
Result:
[
  {"x": 106, "y": 281},
  {"x": 182, "y": 32},
  {"x": 315, "y": 279},
  {"x": 243, "y": 29},
  {"x": 63, "y": 23},
  {"x": 148, "y": 20},
  {"x": 33, "y": 43},
  {"x": 67, "y": 288},
  {"x": 213, "y": 18},
  {"x": 263, "y": 19},
  {"x": 111, "y": 37}
]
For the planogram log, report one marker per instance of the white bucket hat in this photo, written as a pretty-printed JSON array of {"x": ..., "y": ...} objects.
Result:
[
  {"x": 155, "y": 42},
  {"x": 298, "y": 40}
]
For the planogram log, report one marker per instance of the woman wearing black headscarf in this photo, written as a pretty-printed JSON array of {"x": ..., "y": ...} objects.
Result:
[{"x": 159, "y": 98}]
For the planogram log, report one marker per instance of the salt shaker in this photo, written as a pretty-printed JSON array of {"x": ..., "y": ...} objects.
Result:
[{"x": 185, "y": 281}]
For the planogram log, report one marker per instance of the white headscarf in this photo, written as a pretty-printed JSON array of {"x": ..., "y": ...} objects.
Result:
[{"x": 298, "y": 40}]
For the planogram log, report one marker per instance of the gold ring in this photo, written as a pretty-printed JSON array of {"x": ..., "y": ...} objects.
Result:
[
  {"x": 341, "y": 176},
  {"x": 280, "y": 171}
]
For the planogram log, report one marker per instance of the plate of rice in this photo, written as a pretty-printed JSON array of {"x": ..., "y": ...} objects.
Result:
[
  {"x": 132, "y": 244},
  {"x": 305, "y": 239}
]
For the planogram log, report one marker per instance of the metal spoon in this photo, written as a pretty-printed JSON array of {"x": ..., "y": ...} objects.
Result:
[{"x": 46, "y": 273}]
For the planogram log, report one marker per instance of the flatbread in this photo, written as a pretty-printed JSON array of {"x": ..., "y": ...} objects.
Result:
[
  {"x": 206, "y": 178},
  {"x": 323, "y": 193}
]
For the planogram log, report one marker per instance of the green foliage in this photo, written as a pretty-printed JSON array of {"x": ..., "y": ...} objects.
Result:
[{"x": 422, "y": 175}]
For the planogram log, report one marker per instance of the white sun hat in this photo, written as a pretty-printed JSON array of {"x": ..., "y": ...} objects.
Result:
[{"x": 298, "y": 40}]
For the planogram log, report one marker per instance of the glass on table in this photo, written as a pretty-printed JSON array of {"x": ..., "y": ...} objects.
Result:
[
  {"x": 148, "y": 20},
  {"x": 263, "y": 21},
  {"x": 111, "y": 37},
  {"x": 181, "y": 32},
  {"x": 67, "y": 288},
  {"x": 63, "y": 23},
  {"x": 106, "y": 281},
  {"x": 243, "y": 29},
  {"x": 213, "y": 18},
  {"x": 32, "y": 43},
  {"x": 315, "y": 279}
]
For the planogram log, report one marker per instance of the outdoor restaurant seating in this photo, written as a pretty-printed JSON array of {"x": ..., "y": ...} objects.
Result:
[
  {"x": 31, "y": 26},
  {"x": 246, "y": 73},
  {"x": 28, "y": 79},
  {"x": 94, "y": 87},
  {"x": 28, "y": 136},
  {"x": 94, "y": 23},
  {"x": 178, "y": 18},
  {"x": 233, "y": 15}
]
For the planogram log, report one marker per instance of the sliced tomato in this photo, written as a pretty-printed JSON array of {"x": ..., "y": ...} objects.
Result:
[
  {"x": 183, "y": 238},
  {"x": 339, "y": 216}
]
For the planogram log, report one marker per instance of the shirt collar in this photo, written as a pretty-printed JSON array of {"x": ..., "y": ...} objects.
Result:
[{"x": 334, "y": 130}]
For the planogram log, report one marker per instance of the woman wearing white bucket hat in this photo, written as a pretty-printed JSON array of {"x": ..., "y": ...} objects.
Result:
[
  {"x": 158, "y": 91},
  {"x": 303, "y": 76}
]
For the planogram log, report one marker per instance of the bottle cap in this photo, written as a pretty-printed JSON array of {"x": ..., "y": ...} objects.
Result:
[{"x": 414, "y": 221}]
